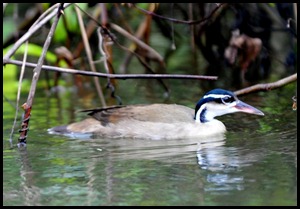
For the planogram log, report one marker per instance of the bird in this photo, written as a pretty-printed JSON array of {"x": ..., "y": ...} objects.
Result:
[{"x": 160, "y": 121}]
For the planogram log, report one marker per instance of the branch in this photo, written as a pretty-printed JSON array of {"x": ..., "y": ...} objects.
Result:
[
  {"x": 19, "y": 93},
  {"x": 36, "y": 72},
  {"x": 190, "y": 22},
  {"x": 267, "y": 86},
  {"x": 116, "y": 76}
]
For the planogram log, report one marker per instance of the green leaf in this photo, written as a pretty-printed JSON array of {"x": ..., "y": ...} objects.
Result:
[{"x": 36, "y": 51}]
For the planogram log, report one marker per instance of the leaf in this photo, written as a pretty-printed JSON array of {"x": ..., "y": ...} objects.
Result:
[{"x": 36, "y": 51}]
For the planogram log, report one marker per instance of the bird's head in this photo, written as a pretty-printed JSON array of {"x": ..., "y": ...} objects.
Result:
[{"x": 219, "y": 102}]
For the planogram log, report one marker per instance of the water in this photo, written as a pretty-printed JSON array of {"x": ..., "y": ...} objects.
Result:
[{"x": 255, "y": 163}]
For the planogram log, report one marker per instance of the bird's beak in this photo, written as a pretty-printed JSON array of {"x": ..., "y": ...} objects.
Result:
[{"x": 243, "y": 107}]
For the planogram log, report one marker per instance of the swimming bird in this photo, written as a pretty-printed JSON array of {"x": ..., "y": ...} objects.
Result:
[{"x": 160, "y": 121}]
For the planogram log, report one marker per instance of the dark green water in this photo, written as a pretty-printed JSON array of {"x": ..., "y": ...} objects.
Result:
[{"x": 254, "y": 164}]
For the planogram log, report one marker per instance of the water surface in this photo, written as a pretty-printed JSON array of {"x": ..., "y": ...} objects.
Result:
[{"x": 255, "y": 163}]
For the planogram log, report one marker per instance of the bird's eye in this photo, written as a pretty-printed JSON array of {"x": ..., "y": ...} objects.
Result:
[{"x": 227, "y": 100}]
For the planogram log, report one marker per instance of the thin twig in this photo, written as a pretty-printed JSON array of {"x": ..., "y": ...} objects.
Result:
[
  {"x": 180, "y": 21},
  {"x": 44, "y": 15},
  {"x": 116, "y": 76},
  {"x": 152, "y": 53},
  {"x": 89, "y": 56}
]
